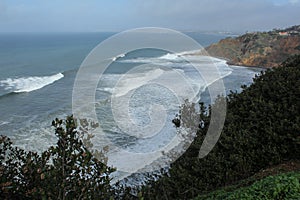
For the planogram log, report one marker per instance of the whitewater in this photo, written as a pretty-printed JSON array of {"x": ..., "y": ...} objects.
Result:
[{"x": 28, "y": 84}]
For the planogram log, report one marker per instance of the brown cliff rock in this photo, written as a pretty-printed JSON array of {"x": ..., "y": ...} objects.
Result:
[{"x": 266, "y": 49}]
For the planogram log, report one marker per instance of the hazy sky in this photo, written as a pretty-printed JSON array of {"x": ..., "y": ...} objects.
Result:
[{"x": 118, "y": 15}]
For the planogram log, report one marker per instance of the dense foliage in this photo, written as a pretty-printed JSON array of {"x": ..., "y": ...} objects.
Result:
[
  {"x": 282, "y": 186},
  {"x": 262, "y": 128},
  {"x": 65, "y": 171}
]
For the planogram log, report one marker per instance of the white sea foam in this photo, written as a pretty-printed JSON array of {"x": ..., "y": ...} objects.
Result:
[
  {"x": 3, "y": 123},
  {"x": 28, "y": 84},
  {"x": 117, "y": 57},
  {"x": 35, "y": 138},
  {"x": 106, "y": 89},
  {"x": 169, "y": 56},
  {"x": 203, "y": 63},
  {"x": 171, "y": 59},
  {"x": 135, "y": 80}
]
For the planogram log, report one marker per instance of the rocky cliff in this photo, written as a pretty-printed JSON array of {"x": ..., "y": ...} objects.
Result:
[{"x": 263, "y": 49}]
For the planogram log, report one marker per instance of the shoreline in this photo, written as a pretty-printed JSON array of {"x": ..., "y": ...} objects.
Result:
[
  {"x": 249, "y": 66},
  {"x": 230, "y": 63},
  {"x": 227, "y": 60}
]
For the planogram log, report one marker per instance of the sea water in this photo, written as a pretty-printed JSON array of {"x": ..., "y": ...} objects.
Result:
[{"x": 37, "y": 73}]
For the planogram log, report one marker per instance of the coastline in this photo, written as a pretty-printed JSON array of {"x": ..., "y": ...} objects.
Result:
[{"x": 228, "y": 61}]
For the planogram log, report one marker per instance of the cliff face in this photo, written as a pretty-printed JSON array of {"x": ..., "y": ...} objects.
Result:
[{"x": 267, "y": 49}]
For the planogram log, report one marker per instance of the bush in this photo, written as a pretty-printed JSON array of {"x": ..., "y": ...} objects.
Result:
[{"x": 65, "y": 171}]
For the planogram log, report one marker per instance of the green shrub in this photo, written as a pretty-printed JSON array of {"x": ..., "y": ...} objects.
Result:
[{"x": 283, "y": 186}]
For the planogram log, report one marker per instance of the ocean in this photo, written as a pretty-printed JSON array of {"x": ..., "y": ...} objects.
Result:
[{"x": 37, "y": 73}]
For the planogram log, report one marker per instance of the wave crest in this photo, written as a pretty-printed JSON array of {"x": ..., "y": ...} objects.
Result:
[
  {"x": 118, "y": 56},
  {"x": 28, "y": 84}
]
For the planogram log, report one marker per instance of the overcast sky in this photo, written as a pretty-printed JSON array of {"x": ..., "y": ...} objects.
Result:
[{"x": 118, "y": 15}]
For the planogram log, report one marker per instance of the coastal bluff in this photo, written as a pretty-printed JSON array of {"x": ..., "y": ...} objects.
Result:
[{"x": 260, "y": 49}]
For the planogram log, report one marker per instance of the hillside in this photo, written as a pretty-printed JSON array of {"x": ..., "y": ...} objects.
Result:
[{"x": 262, "y": 49}]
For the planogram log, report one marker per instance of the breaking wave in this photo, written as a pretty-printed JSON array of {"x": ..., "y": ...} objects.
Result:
[
  {"x": 3, "y": 123},
  {"x": 117, "y": 57},
  {"x": 28, "y": 84}
]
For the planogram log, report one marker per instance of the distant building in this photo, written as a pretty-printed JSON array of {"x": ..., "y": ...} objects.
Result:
[{"x": 283, "y": 33}]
